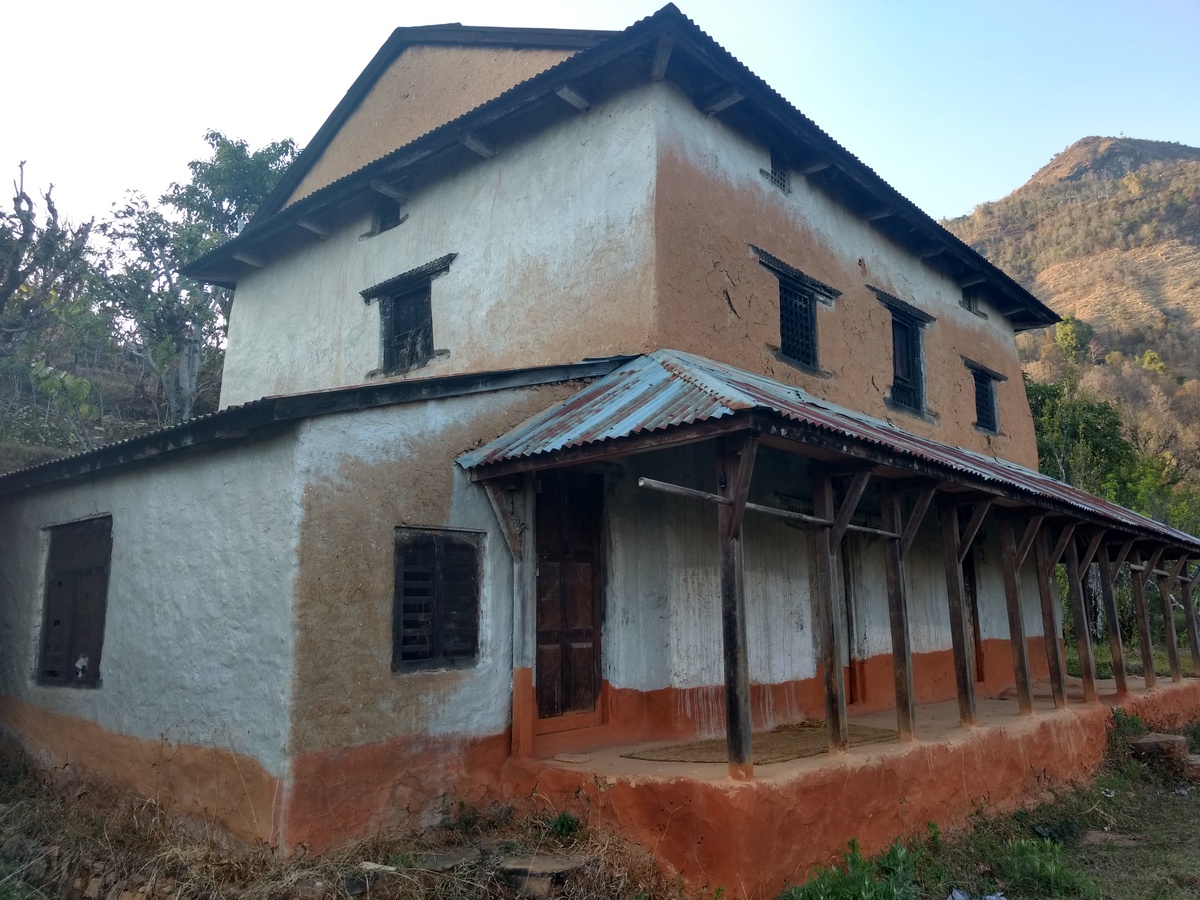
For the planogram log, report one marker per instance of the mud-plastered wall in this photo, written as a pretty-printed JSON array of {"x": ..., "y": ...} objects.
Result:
[
  {"x": 426, "y": 86},
  {"x": 715, "y": 298},
  {"x": 554, "y": 264},
  {"x": 192, "y": 706},
  {"x": 373, "y": 747}
]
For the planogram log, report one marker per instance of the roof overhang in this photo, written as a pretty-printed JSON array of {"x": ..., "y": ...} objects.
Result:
[
  {"x": 670, "y": 398},
  {"x": 667, "y": 46}
]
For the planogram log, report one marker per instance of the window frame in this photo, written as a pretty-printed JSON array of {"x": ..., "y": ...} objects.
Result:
[
  {"x": 778, "y": 175},
  {"x": 911, "y": 322},
  {"x": 59, "y": 610},
  {"x": 445, "y": 623},
  {"x": 808, "y": 291},
  {"x": 408, "y": 296},
  {"x": 985, "y": 379}
]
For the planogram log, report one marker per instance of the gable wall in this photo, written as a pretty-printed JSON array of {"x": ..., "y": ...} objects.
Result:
[
  {"x": 426, "y": 86},
  {"x": 717, "y": 300},
  {"x": 555, "y": 264}
]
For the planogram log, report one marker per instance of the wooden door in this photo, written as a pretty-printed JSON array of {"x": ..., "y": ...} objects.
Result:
[{"x": 570, "y": 568}]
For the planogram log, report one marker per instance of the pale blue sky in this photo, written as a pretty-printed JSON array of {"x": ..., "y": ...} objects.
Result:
[{"x": 954, "y": 103}]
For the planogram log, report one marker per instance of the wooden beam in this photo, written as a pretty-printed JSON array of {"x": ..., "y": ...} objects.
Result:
[
  {"x": 1050, "y": 630},
  {"x": 662, "y": 56},
  {"x": 902, "y": 667},
  {"x": 1144, "y": 572},
  {"x": 576, "y": 99},
  {"x": 877, "y": 214},
  {"x": 972, "y": 529},
  {"x": 1090, "y": 556},
  {"x": 814, "y": 168},
  {"x": 1083, "y": 638},
  {"x": 250, "y": 259},
  {"x": 735, "y": 468},
  {"x": 1031, "y": 532},
  {"x": 831, "y": 649},
  {"x": 1114, "y": 620},
  {"x": 1016, "y": 622},
  {"x": 956, "y": 597},
  {"x": 1141, "y": 615},
  {"x": 1189, "y": 614},
  {"x": 310, "y": 225},
  {"x": 501, "y": 503},
  {"x": 915, "y": 518},
  {"x": 931, "y": 252},
  {"x": 972, "y": 280},
  {"x": 392, "y": 191},
  {"x": 1169, "y": 636},
  {"x": 1122, "y": 556},
  {"x": 1068, "y": 533},
  {"x": 854, "y": 493},
  {"x": 722, "y": 100},
  {"x": 476, "y": 144},
  {"x": 1180, "y": 566}
]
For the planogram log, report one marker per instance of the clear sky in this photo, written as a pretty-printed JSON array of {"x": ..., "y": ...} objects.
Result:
[{"x": 952, "y": 101}]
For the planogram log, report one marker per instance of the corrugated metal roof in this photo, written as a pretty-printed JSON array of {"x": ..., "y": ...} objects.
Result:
[{"x": 671, "y": 389}]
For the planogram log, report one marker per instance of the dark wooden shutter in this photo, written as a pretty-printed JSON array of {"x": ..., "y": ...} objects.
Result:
[
  {"x": 907, "y": 387},
  {"x": 797, "y": 323},
  {"x": 435, "y": 614},
  {"x": 985, "y": 401},
  {"x": 76, "y": 602},
  {"x": 408, "y": 330}
]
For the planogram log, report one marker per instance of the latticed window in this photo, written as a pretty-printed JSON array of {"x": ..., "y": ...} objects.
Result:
[
  {"x": 797, "y": 322},
  {"x": 987, "y": 411},
  {"x": 778, "y": 175},
  {"x": 435, "y": 611},
  {"x": 76, "y": 601},
  {"x": 407, "y": 330},
  {"x": 908, "y": 381}
]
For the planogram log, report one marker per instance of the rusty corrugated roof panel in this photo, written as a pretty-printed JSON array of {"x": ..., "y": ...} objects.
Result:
[{"x": 670, "y": 389}]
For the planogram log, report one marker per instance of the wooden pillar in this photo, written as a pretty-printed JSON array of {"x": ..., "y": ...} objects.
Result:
[
  {"x": 524, "y": 702},
  {"x": 1050, "y": 630},
  {"x": 898, "y": 615},
  {"x": 832, "y": 651},
  {"x": 1171, "y": 639},
  {"x": 1114, "y": 624},
  {"x": 1142, "y": 615},
  {"x": 1016, "y": 622},
  {"x": 1189, "y": 610},
  {"x": 1083, "y": 637},
  {"x": 955, "y": 595},
  {"x": 735, "y": 466}
]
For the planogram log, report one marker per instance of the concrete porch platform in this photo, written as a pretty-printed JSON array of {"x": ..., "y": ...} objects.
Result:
[{"x": 752, "y": 837}]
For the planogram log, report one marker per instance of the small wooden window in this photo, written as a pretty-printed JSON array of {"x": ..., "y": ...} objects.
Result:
[
  {"x": 75, "y": 603},
  {"x": 407, "y": 329},
  {"x": 987, "y": 413},
  {"x": 778, "y": 175},
  {"x": 908, "y": 381},
  {"x": 435, "y": 610},
  {"x": 797, "y": 323}
]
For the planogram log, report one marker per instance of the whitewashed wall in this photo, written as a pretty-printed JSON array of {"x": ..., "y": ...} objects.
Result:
[{"x": 197, "y": 640}]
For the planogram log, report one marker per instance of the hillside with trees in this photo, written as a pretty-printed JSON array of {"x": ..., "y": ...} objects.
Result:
[
  {"x": 1108, "y": 235},
  {"x": 101, "y": 338}
]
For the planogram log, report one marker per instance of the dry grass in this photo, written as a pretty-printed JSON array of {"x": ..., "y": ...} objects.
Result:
[{"x": 51, "y": 843}]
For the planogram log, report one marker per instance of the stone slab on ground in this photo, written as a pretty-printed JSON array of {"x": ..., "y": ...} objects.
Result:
[
  {"x": 1159, "y": 746},
  {"x": 449, "y": 860},
  {"x": 539, "y": 875}
]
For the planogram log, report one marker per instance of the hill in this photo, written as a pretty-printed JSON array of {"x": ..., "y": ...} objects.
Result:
[{"x": 1108, "y": 232}]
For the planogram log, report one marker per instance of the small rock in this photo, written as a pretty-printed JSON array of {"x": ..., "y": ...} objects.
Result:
[
  {"x": 446, "y": 862},
  {"x": 92, "y": 891},
  {"x": 312, "y": 888},
  {"x": 1191, "y": 767},
  {"x": 352, "y": 885},
  {"x": 1160, "y": 746}
]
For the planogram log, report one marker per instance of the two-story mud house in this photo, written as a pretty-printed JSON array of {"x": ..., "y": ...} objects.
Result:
[{"x": 580, "y": 394}]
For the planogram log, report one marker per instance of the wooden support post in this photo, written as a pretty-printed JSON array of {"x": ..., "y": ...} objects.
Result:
[
  {"x": 1083, "y": 637},
  {"x": 1169, "y": 636},
  {"x": 902, "y": 671},
  {"x": 955, "y": 595},
  {"x": 1141, "y": 614},
  {"x": 1189, "y": 611},
  {"x": 832, "y": 652},
  {"x": 1050, "y": 629},
  {"x": 524, "y": 700},
  {"x": 735, "y": 467},
  {"x": 1114, "y": 623},
  {"x": 915, "y": 518},
  {"x": 1016, "y": 622}
]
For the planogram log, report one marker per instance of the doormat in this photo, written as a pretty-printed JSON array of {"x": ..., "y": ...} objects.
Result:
[{"x": 784, "y": 743}]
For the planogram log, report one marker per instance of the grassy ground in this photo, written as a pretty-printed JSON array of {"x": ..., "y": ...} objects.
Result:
[
  {"x": 1129, "y": 836},
  {"x": 1133, "y": 659}
]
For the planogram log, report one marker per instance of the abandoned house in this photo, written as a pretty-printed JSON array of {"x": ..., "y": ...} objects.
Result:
[{"x": 581, "y": 396}]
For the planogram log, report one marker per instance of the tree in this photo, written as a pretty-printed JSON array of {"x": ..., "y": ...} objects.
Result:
[
  {"x": 173, "y": 323},
  {"x": 43, "y": 267}
]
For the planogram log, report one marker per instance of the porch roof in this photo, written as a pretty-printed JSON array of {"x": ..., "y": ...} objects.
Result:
[{"x": 670, "y": 389}]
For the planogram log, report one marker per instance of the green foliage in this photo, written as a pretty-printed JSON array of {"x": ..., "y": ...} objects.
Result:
[
  {"x": 890, "y": 876},
  {"x": 1073, "y": 336},
  {"x": 1039, "y": 868},
  {"x": 564, "y": 826}
]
